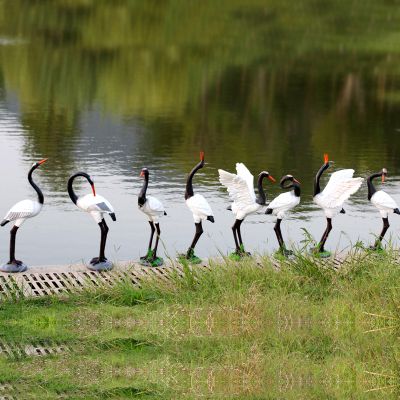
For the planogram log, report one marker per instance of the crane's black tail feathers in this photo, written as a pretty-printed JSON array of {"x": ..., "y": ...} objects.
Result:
[
  {"x": 211, "y": 218},
  {"x": 269, "y": 211},
  {"x": 165, "y": 213},
  {"x": 229, "y": 208},
  {"x": 4, "y": 222},
  {"x": 113, "y": 217},
  {"x": 396, "y": 211}
]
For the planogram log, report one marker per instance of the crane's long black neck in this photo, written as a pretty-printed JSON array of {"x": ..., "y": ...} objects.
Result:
[
  {"x": 71, "y": 192},
  {"x": 142, "y": 194},
  {"x": 33, "y": 184},
  {"x": 371, "y": 187},
  {"x": 261, "y": 198},
  {"x": 297, "y": 190},
  {"x": 317, "y": 188},
  {"x": 189, "y": 187}
]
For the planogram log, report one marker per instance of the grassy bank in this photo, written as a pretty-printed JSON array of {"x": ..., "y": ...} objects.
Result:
[{"x": 239, "y": 331}]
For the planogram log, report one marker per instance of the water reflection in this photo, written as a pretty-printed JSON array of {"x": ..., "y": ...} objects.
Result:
[{"x": 269, "y": 85}]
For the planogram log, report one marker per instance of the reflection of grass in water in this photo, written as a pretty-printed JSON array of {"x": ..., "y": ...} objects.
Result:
[{"x": 305, "y": 331}]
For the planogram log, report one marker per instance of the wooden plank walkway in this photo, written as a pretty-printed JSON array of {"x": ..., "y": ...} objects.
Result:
[
  {"x": 54, "y": 280},
  {"x": 57, "y": 280}
]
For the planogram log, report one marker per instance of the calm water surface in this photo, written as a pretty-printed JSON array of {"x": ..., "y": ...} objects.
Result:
[{"x": 110, "y": 88}]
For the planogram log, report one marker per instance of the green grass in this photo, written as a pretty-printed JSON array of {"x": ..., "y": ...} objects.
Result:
[{"x": 239, "y": 331}]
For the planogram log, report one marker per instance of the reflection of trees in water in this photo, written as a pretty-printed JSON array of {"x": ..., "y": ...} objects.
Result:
[{"x": 245, "y": 77}]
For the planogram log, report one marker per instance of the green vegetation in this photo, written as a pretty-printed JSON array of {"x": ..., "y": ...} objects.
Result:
[{"x": 242, "y": 330}]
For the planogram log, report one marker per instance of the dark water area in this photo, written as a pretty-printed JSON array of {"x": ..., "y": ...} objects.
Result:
[{"x": 111, "y": 87}]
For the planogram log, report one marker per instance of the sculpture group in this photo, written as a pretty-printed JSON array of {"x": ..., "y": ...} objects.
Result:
[{"x": 240, "y": 187}]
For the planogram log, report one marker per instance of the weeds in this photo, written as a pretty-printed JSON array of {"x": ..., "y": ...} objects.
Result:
[{"x": 247, "y": 329}]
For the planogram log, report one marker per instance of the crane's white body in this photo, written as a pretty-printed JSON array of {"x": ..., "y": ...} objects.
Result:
[
  {"x": 199, "y": 207},
  {"x": 340, "y": 187},
  {"x": 284, "y": 203},
  {"x": 241, "y": 190},
  {"x": 153, "y": 208},
  {"x": 23, "y": 210},
  {"x": 96, "y": 206},
  {"x": 384, "y": 203}
]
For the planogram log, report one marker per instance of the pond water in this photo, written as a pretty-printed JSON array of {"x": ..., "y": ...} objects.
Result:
[{"x": 111, "y": 87}]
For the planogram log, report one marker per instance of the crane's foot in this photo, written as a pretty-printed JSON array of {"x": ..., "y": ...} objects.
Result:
[
  {"x": 285, "y": 252},
  {"x": 321, "y": 253},
  {"x": 13, "y": 266},
  {"x": 96, "y": 260},
  {"x": 101, "y": 264},
  {"x": 144, "y": 260},
  {"x": 239, "y": 253},
  {"x": 376, "y": 247},
  {"x": 189, "y": 257},
  {"x": 150, "y": 260},
  {"x": 156, "y": 262}
]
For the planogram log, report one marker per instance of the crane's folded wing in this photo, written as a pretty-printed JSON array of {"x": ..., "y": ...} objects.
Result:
[
  {"x": 22, "y": 209},
  {"x": 382, "y": 199},
  {"x": 155, "y": 204},
  {"x": 199, "y": 206}
]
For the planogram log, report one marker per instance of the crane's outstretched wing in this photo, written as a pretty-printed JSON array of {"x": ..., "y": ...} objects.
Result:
[
  {"x": 340, "y": 187},
  {"x": 238, "y": 189},
  {"x": 382, "y": 200},
  {"x": 336, "y": 178},
  {"x": 244, "y": 173},
  {"x": 22, "y": 209}
]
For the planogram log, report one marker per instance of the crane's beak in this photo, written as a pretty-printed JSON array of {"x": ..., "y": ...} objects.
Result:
[
  {"x": 295, "y": 180},
  {"x": 141, "y": 174},
  {"x": 383, "y": 178},
  {"x": 271, "y": 178},
  {"x": 202, "y": 156},
  {"x": 93, "y": 189},
  {"x": 326, "y": 158},
  {"x": 42, "y": 161}
]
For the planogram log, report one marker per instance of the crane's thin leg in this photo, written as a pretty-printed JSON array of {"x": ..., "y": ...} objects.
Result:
[
  {"x": 105, "y": 230},
  {"x": 378, "y": 241},
  {"x": 278, "y": 233},
  {"x": 241, "y": 245},
  {"x": 325, "y": 235},
  {"x": 199, "y": 231},
  {"x": 103, "y": 239},
  {"x": 238, "y": 232},
  {"x": 150, "y": 242},
  {"x": 13, "y": 234},
  {"x": 157, "y": 239},
  {"x": 234, "y": 228}
]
